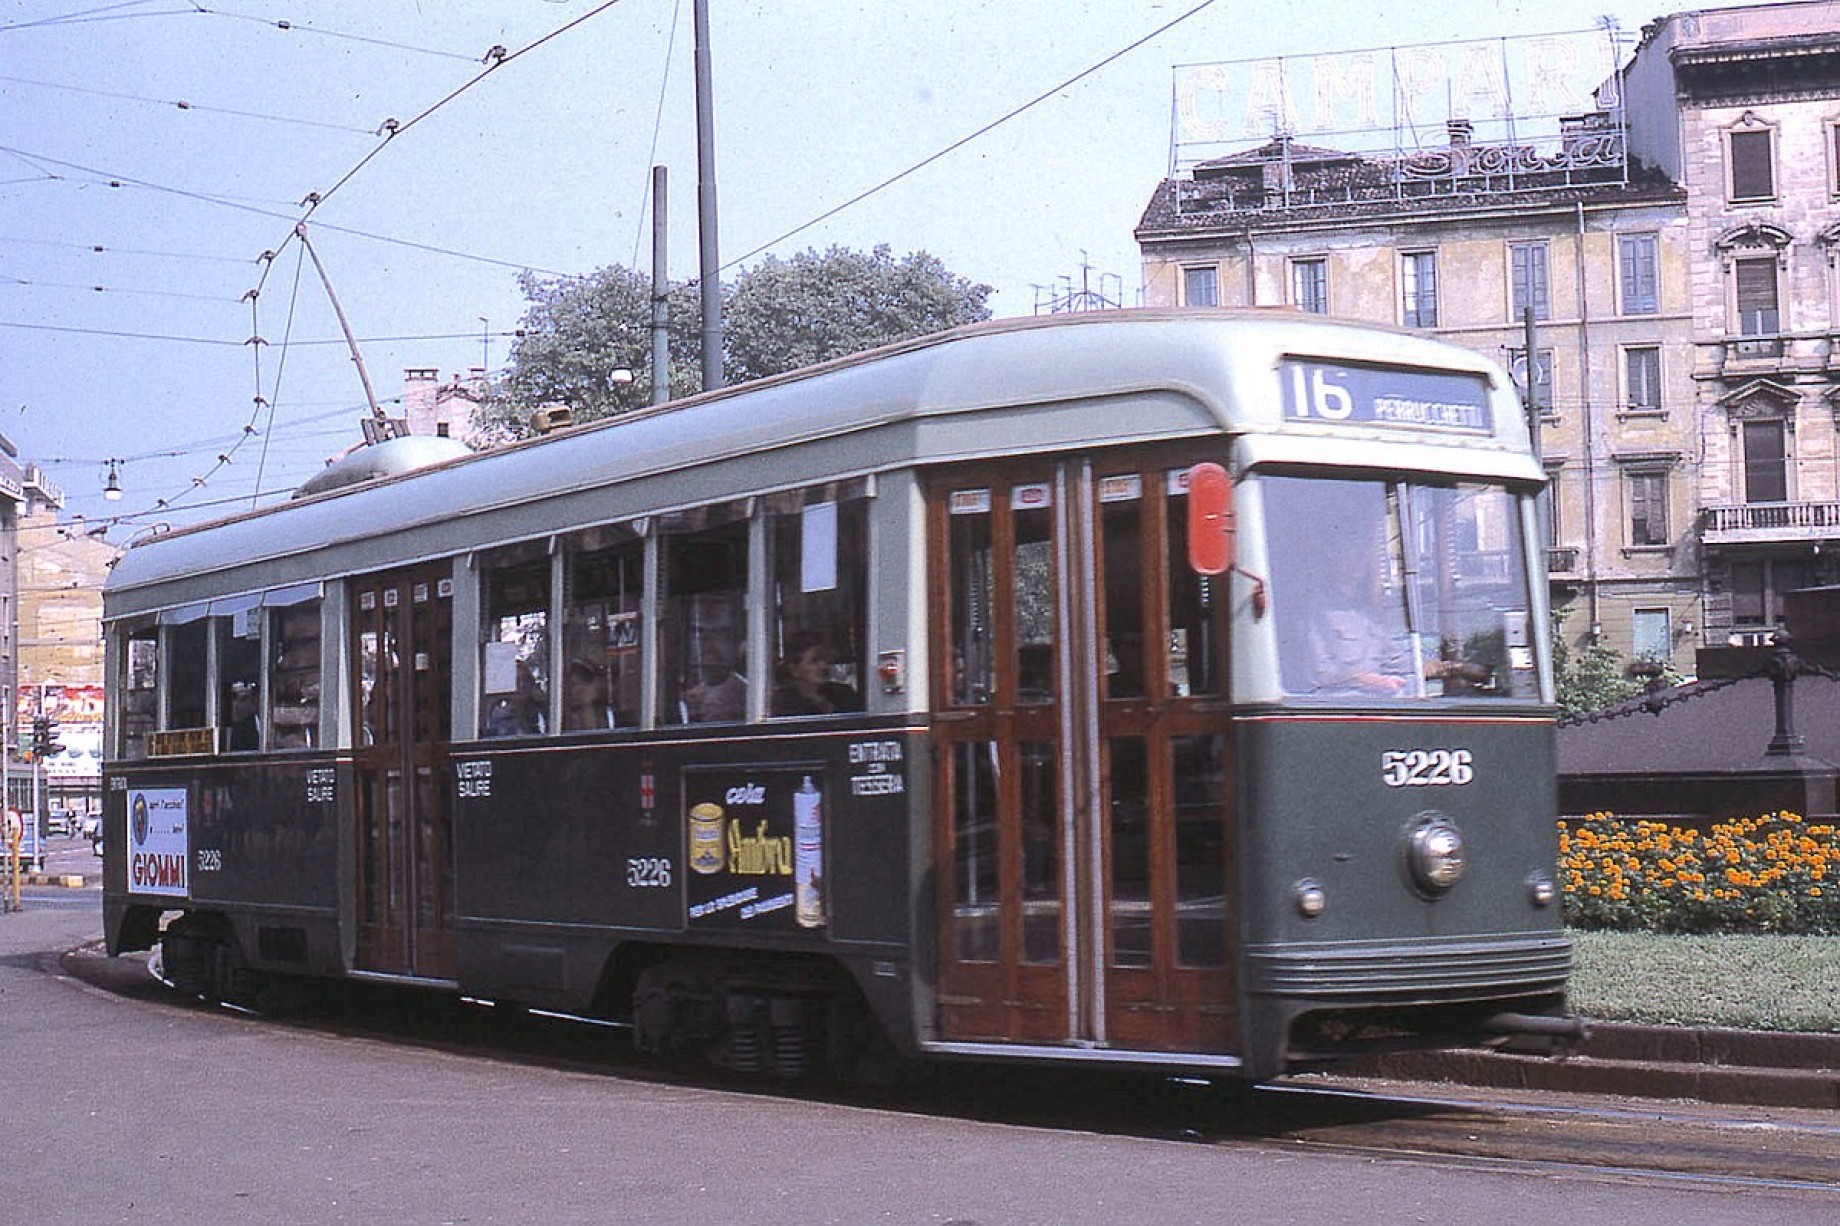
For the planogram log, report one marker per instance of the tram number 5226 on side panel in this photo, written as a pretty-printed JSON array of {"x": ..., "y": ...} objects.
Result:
[{"x": 1427, "y": 768}]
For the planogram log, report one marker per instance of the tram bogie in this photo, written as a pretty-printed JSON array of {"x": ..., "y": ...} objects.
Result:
[{"x": 915, "y": 707}]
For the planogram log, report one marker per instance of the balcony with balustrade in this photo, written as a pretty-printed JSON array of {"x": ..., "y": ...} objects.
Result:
[{"x": 1763, "y": 523}]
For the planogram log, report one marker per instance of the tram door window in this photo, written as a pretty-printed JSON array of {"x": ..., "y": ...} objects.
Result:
[
  {"x": 402, "y": 638},
  {"x": 602, "y": 591},
  {"x": 514, "y": 666},
  {"x": 819, "y": 564},
  {"x": 703, "y": 617},
  {"x": 139, "y": 694},
  {"x": 1003, "y": 842},
  {"x": 1084, "y": 839}
]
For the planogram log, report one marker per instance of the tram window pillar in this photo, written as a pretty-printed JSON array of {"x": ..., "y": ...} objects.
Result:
[{"x": 649, "y": 639}]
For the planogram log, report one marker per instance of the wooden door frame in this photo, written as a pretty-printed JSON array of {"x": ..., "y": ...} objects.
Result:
[
  {"x": 415, "y": 844},
  {"x": 1163, "y": 1006}
]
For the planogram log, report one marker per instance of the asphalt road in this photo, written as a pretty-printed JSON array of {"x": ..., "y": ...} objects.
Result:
[{"x": 125, "y": 1108}]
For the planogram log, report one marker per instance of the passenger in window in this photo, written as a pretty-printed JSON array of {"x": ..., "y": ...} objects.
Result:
[
  {"x": 245, "y": 726},
  {"x": 721, "y": 697},
  {"x": 521, "y": 712},
  {"x": 806, "y": 683},
  {"x": 585, "y": 696}
]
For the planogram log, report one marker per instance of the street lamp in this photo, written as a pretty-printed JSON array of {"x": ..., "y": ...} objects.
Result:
[{"x": 112, "y": 490}]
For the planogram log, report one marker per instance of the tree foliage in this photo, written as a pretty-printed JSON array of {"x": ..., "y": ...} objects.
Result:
[
  {"x": 577, "y": 334},
  {"x": 1594, "y": 676},
  {"x": 778, "y": 316},
  {"x": 786, "y": 314}
]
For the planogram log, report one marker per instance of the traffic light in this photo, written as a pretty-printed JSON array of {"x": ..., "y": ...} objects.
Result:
[{"x": 44, "y": 737}]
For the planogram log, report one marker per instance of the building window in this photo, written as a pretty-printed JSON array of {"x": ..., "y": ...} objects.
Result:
[
  {"x": 1642, "y": 379},
  {"x": 1541, "y": 393},
  {"x": 1833, "y": 159},
  {"x": 1419, "y": 274},
  {"x": 1310, "y": 286},
  {"x": 1757, "y": 589},
  {"x": 1548, "y": 508},
  {"x": 1201, "y": 287},
  {"x": 1636, "y": 264},
  {"x": 1766, "y": 463},
  {"x": 1528, "y": 281},
  {"x": 1753, "y": 173},
  {"x": 1648, "y": 508},
  {"x": 1758, "y": 312},
  {"x": 1651, "y": 634}
]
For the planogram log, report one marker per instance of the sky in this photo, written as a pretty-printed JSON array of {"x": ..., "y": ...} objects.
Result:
[{"x": 157, "y": 155}]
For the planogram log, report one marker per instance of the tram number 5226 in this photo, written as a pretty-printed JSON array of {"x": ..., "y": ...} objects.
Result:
[
  {"x": 648, "y": 872},
  {"x": 1426, "y": 768}
]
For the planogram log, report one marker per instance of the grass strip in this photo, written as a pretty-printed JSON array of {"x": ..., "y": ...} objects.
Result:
[{"x": 1748, "y": 982}]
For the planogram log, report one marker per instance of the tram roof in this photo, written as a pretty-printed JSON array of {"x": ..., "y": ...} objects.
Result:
[{"x": 1008, "y": 387}]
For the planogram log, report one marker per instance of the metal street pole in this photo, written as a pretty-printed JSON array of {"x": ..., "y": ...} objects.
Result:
[
  {"x": 661, "y": 288},
  {"x": 710, "y": 263}
]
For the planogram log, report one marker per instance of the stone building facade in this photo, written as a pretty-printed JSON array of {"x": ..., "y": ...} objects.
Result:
[
  {"x": 1660, "y": 386},
  {"x": 1746, "y": 116},
  {"x": 25, "y": 493},
  {"x": 442, "y": 409}
]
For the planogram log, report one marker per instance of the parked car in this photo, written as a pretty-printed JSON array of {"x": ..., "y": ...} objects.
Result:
[{"x": 57, "y": 822}]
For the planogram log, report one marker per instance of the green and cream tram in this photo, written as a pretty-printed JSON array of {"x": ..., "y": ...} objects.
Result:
[{"x": 1138, "y": 687}]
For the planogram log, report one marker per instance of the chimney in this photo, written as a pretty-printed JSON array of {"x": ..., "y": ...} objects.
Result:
[{"x": 1461, "y": 132}]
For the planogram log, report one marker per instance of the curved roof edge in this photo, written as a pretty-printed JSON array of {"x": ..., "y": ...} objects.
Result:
[{"x": 1221, "y": 362}]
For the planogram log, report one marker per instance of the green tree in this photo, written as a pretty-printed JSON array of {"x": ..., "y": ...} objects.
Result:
[
  {"x": 1596, "y": 676},
  {"x": 778, "y": 316},
  {"x": 578, "y": 334},
  {"x": 785, "y": 314}
]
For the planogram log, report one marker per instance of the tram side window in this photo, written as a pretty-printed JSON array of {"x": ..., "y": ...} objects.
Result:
[
  {"x": 820, "y": 569},
  {"x": 239, "y": 679},
  {"x": 602, "y": 586},
  {"x": 514, "y": 668},
  {"x": 293, "y": 679},
  {"x": 703, "y": 616},
  {"x": 186, "y": 674},
  {"x": 140, "y": 694}
]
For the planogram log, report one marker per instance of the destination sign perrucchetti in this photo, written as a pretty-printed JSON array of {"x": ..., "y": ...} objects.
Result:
[{"x": 1336, "y": 395}]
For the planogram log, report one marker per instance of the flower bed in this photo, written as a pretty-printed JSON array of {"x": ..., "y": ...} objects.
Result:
[{"x": 1775, "y": 873}]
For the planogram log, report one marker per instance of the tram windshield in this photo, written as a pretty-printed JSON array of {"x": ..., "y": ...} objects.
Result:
[{"x": 1398, "y": 589}]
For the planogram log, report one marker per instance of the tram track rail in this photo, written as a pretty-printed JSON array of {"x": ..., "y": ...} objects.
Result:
[{"x": 1786, "y": 1151}]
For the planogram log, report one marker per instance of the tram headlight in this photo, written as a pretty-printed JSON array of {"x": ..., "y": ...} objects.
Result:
[
  {"x": 1311, "y": 900},
  {"x": 1541, "y": 890},
  {"x": 1435, "y": 852}
]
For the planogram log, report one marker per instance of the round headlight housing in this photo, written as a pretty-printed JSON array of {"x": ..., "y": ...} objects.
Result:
[
  {"x": 1434, "y": 850},
  {"x": 1310, "y": 897},
  {"x": 1542, "y": 890}
]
